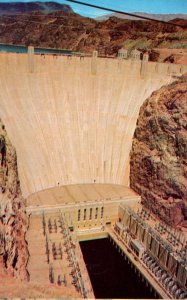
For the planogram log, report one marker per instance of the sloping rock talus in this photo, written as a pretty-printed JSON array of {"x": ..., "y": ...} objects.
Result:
[
  {"x": 13, "y": 221},
  {"x": 159, "y": 153}
]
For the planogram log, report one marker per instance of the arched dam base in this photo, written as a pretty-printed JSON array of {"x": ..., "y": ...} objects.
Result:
[{"x": 71, "y": 122}]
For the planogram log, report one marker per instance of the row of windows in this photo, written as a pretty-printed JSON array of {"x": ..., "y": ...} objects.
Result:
[{"x": 89, "y": 212}]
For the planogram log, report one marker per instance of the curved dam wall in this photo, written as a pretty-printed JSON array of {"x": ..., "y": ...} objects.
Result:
[{"x": 72, "y": 120}]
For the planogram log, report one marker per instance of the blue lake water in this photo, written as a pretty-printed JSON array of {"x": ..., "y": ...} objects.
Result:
[{"x": 23, "y": 49}]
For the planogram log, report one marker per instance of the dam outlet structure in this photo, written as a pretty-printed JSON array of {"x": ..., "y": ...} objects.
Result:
[{"x": 71, "y": 121}]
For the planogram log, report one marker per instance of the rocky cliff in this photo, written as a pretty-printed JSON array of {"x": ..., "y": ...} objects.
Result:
[
  {"x": 13, "y": 221},
  {"x": 67, "y": 30},
  {"x": 159, "y": 153}
]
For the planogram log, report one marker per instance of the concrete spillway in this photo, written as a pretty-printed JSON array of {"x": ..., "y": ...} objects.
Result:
[{"x": 72, "y": 121}]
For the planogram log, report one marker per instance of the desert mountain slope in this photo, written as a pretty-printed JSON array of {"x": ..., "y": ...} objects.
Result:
[
  {"x": 162, "y": 17},
  {"x": 28, "y": 7},
  {"x": 71, "y": 31}
]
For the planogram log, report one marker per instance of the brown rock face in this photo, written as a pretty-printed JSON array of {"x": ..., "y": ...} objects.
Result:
[
  {"x": 159, "y": 153},
  {"x": 13, "y": 221},
  {"x": 67, "y": 30}
]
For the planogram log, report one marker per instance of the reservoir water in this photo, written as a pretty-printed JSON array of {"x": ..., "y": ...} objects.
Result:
[
  {"x": 24, "y": 49},
  {"x": 111, "y": 276}
]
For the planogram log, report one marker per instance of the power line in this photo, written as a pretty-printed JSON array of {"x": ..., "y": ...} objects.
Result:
[{"x": 125, "y": 13}]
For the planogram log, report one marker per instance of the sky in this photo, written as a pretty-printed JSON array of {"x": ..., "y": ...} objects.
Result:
[{"x": 149, "y": 6}]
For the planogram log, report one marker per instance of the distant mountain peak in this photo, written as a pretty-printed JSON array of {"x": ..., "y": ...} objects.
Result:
[{"x": 161, "y": 17}]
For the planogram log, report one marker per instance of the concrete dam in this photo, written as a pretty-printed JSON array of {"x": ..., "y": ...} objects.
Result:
[{"x": 71, "y": 121}]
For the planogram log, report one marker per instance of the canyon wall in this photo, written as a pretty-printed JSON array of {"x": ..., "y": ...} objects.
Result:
[
  {"x": 67, "y": 30},
  {"x": 158, "y": 165},
  {"x": 13, "y": 220}
]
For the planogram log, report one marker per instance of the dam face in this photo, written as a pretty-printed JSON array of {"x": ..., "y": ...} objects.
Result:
[{"x": 72, "y": 120}]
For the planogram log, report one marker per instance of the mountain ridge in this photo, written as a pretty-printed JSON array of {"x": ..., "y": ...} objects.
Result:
[
  {"x": 160, "y": 17},
  {"x": 68, "y": 30},
  {"x": 29, "y": 7}
]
